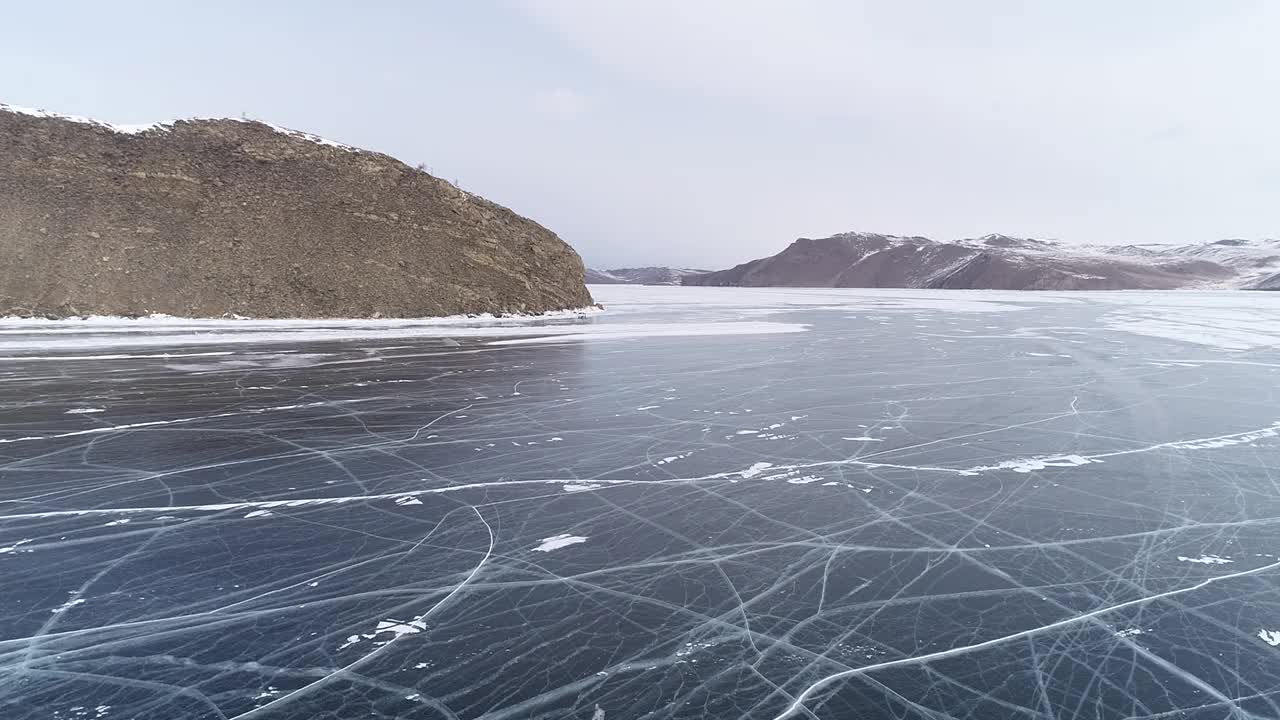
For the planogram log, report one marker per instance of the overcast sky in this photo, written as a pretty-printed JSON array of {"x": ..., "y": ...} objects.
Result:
[{"x": 707, "y": 133}]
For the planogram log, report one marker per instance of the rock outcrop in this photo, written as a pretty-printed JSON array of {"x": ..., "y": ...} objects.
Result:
[
  {"x": 997, "y": 262},
  {"x": 206, "y": 218}
]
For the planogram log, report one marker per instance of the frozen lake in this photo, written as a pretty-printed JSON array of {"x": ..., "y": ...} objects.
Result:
[{"x": 701, "y": 503}]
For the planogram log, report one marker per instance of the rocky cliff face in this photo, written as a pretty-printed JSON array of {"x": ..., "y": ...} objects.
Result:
[
  {"x": 991, "y": 262},
  {"x": 204, "y": 218}
]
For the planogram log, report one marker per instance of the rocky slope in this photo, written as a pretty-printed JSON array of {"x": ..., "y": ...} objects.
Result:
[
  {"x": 1267, "y": 283},
  {"x": 1252, "y": 260},
  {"x": 204, "y": 218},
  {"x": 990, "y": 262},
  {"x": 640, "y": 276}
]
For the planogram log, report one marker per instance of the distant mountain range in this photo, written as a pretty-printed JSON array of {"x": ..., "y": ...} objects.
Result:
[
  {"x": 1003, "y": 262},
  {"x": 640, "y": 276}
]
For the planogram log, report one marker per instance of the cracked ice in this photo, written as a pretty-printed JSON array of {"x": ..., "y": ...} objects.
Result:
[{"x": 876, "y": 504}]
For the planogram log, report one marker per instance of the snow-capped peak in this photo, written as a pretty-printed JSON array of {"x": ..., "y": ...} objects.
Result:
[{"x": 167, "y": 125}]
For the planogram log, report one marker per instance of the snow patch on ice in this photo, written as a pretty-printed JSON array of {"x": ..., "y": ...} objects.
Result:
[
  {"x": 580, "y": 487},
  {"x": 15, "y": 548},
  {"x": 1221, "y": 442},
  {"x": 387, "y": 631},
  {"x": 755, "y": 469},
  {"x": 1206, "y": 560},
  {"x": 74, "y": 601},
  {"x": 1270, "y": 637},
  {"x": 672, "y": 458},
  {"x": 83, "y": 411},
  {"x": 555, "y": 542},
  {"x": 1026, "y": 465}
]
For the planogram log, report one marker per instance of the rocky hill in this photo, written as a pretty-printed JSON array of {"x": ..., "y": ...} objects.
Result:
[
  {"x": 205, "y": 218},
  {"x": 996, "y": 262},
  {"x": 640, "y": 276}
]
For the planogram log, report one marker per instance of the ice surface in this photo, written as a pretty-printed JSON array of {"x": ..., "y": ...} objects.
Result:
[{"x": 906, "y": 505}]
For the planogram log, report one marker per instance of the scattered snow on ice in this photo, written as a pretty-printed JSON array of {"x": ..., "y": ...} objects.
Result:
[
  {"x": 389, "y": 630},
  {"x": 555, "y": 542},
  {"x": 14, "y": 547},
  {"x": 1026, "y": 465},
  {"x": 1130, "y": 632},
  {"x": 1205, "y": 560},
  {"x": 755, "y": 469},
  {"x": 1221, "y": 442},
  {"x": 74, "y": 601},
  {"x": 672, "y": 458}
]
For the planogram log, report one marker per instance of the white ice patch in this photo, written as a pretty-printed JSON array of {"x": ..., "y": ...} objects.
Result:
[
  {"x": 121, "y": 521},
  {"x": 672, "y": 458},
  {"x": 804, "y": 479},
  {"x": 1206, "y": 560},
  {"x": 15, "y": 548},
  {"x": 83, "y": 411},
  {"x": 387, "y": 631},
  {"x": 1026, "y": 465},
  {"x": 755, "y": 469},
  {"x": 74, "y": 601},
  {"x": 863, "y": 438},
  {"x": 1270, "y": 637},
  {"x": 397, "y": 628},
  {"x": 408, "y": 500},
  {"x": 1130, "y": 632},
  {"x": 580, "y": 487},
  {"x": 1221, "y": 442},
  {"x": 1222, "y": 320},
  {"x": 258, "y": 513},
  {"x": 555, "y": 542}
]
